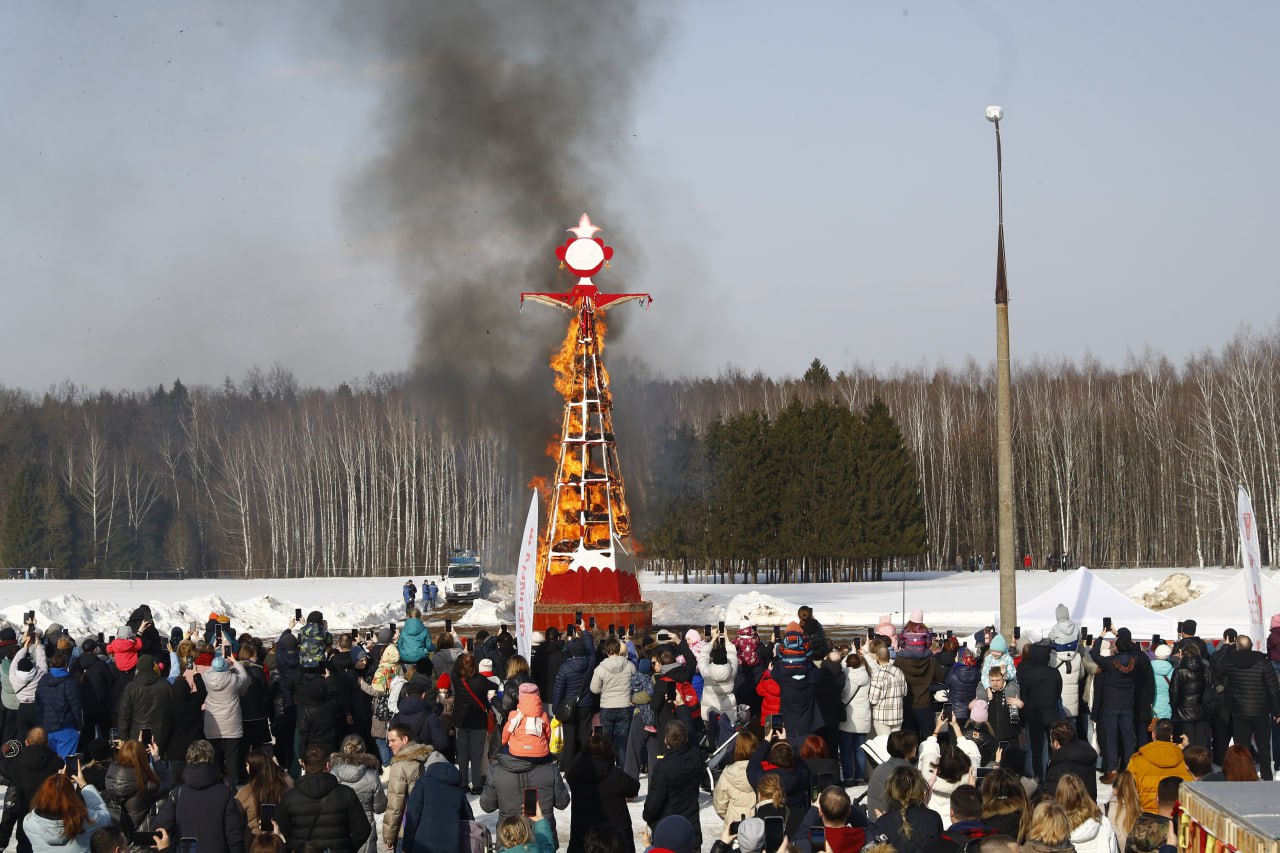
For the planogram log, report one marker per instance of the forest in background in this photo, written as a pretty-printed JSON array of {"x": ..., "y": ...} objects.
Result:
[{"x": 1130, "y": 466}]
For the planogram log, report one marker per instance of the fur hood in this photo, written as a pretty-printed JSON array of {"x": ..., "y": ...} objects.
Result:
[
  {"x": 419, "y": 752},
  {"x": 344, "y": 759}
]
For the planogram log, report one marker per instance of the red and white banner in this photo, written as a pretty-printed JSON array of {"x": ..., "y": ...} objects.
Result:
[
  {"x": 527, "y": 581},
  {"x": 1251, "y": 555}
]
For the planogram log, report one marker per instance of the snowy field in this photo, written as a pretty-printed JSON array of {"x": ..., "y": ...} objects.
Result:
[{"x": 962, "y": 602}]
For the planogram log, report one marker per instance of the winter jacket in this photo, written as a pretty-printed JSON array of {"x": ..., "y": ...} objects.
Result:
[
  {"x": 599, "y": 791},
  {"x": 876, "y": 802},
  {"x": 734, "y": 795},
  {"x": 1187, "y": 690},
  {"x": 1040, "y": 684},
  {"x": 145, "y": 705},
  {"x": 1031, "y": 846},
  {"x": 962, "y": 688},
  {"x": 186, "y": 723},
  {"x": 770, "y": 697},
  {"x": 95, "y": 684},
  {"x": 1273, "y": 644},
  {"x": 314, "y": 696},
  {"x": 1162, "y": 677},
  {"x": 718, "y": 680},
  {"x": 958, "y": 837},
  {"x": 887, "y": 695},
  {"x": 435, "y": 809},
  {"x": 46, "y": 833},
  {"x": 402, "y": 774},
  {"x": 1075, "y": 668},
  {"x": 920, "y": 673},
  {"x": 24, "y": 683},
  {"x": 360, "y": 774},
  {"x": 1120, "y": 673},
  {"x": 1153, "y": 762},
  {"x": 255, "y": 701},
  {"x": 125, "y": 653},
  {"x": 544, "y": 664},
  {"x": 795, "y": 782},
  {"x": 1077, "y": 758},
  {"x": 1252, "y": 688},
  {"x": 122, "y": 787},
  {"x": 203, "y": 807},
  {"x": 856, "y": 696},
  {"x": 827, "y": 690},
  {"x": 8, "y": 698},
  {"x": 1005, "y": 660},
  {"x": 797, "y": 694},
  {"x": 673, "y": 785},
  {"x": 923, "y": 822},
  {"x": 58, "y": 695},
  {"x": 422, "y": 715},
  {"x": 1094, "y": 836},
  {"x": 222, "y": 704},
  {"x": 321, "y": 810},
  {"x": 414, "y": 642},
  {"x": 611, "y": 681},
  {"x": 253, "y": 817},
  {"x": 940, "y": 789},
  {"x": 574, "y": 677},
  {"x": 26, "y": 772},
  {"x": 509, "y": 776}
]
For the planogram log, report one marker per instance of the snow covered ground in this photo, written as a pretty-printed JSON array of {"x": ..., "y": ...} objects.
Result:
[{"x": 962, "y": 602}]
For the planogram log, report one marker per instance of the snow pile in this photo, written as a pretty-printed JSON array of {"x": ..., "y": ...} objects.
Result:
[
  {"x": 1174, "y": 590},
  {"x": 484, "y": 613}
]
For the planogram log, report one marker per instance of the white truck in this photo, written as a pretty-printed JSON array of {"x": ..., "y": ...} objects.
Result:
[{"x": 463, "y": 576}]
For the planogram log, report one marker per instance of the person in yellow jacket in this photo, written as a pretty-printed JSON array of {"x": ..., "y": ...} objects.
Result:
[{"x": 1153, "y": 762}]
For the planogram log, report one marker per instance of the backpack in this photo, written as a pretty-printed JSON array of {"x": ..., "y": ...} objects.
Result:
[
  {"x": 311, "y": 646},
  {"x": 642, "y": 694},
  {"x": 382, "y": 707},
  {"x": 527, "y": 737},
  {"x": 690, "y": 698},
  {"x": 794, "y": 653}
]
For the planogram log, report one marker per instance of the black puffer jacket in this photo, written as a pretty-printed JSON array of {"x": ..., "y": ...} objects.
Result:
[
  {"x": 600, "y": 792},
  {"x": 795, "y": 782},
  {"x": 321, "y": 810},
  {"x": 187, "y": 721},
  {"x": 202, "y": 807},
  {"x": 317, "y": 712},
  {"x": 1076, "y": 758},
  {"x": 574, "y": 677},
  {"x": 95, "y": 684},
  {"x": 1039, "y": 682},
  {"x": 925, "y": 826},
  {"x": 1252, "y": 687},
  {"x": 1119, "y": 677},
  {"x": 673, "y": 785},
  {"x": 1187, "y": 689},
  {"x": 122, "y": 788},
  {"x": 145, "y": 704}
]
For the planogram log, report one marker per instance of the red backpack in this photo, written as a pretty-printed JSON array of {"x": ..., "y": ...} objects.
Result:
[{"x": 690, "y": 698}]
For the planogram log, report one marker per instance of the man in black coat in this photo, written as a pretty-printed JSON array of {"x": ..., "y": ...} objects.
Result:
[
  {"x": 1254, "y": 699},
  {"x": 321, "y": 810},
  {"x": 547, "y": 657},
  {"x": 1187, "y": 637},
  {"x": 26, "y": 766},
  {"x": 814, "y": 633},
  {"x": 146, "y": 704},
  {"x": 1188, "y": 694},
  {"x": 204, "y": 807},
  {"x": 1144, "y": 688},
  {"x": 573, "y": 681},
  {"x": 674, "y": 782},
  {"x": 95, "y": 691},
  {"x": 1217, "y": 702},
  {"x": 1069, "y": 754},
  {"x": 1040, "y": 684}
]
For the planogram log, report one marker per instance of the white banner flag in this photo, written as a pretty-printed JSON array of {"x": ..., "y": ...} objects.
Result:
[
  {"x": 1251, "y": 555},
  {"x": 527, "y": 581}
]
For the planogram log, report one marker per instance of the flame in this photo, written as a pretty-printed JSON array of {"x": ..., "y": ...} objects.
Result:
[{"x": 562, "y": 361}]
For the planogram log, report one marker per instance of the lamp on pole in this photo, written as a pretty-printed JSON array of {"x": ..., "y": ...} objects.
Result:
[{"x": 1004, "y": 413}]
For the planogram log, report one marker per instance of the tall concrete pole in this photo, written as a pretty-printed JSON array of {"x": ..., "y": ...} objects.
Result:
[{"x": 1004, "y": 414}]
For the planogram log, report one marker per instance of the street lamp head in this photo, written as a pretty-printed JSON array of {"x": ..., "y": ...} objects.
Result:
[{"x": 995, "y": 113}]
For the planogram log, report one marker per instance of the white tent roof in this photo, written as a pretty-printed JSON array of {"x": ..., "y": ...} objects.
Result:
[
  {"x": 1089, "y": 598},
  {"x": 1225, "y": 606}
]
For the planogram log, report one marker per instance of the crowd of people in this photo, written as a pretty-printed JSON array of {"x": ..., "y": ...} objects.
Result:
[{"x": 392, "y": 738}]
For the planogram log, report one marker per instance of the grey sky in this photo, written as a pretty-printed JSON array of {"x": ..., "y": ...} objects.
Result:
[{"x": 804, "y": 180}]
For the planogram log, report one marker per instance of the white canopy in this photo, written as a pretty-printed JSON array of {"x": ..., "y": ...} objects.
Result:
[
  {"x": 1088, "y": 599},
  {"x": 1225, "y": 607}
]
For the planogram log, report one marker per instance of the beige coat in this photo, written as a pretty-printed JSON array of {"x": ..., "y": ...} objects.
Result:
[
  {"x": 733, "y": 796},
  {"x": 403, "y": 772}
]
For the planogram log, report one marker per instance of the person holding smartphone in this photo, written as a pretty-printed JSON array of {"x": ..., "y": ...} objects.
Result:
[
  {"x": 58, "y": 818},
  {"x": 133, "y": 782}
]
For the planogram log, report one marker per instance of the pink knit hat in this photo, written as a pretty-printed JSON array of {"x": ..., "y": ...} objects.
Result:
[
  {"x": 916, "y": 616},
  {"x": 885, "y": 628},
  {"x": 1275, "y": 621},
  {"x": 978, "y": 710}
]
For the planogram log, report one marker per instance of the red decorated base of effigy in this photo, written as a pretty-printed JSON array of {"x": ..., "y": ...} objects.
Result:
[{"x": 612, "y": 597}]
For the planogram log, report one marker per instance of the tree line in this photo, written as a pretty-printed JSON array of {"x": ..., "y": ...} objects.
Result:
[{"x": 1136, "y": 465}]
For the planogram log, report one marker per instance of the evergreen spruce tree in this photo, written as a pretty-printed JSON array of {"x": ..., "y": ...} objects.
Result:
[
  {"x": 58, "y": 546},
  {"x": 23, "y": 521},
  {"x": 892, "y": 508}
]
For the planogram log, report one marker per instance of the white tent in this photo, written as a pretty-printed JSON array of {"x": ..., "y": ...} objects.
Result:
[
  {"x": 1225, "y": 606},
  {"x": 1089, "y": 598}
]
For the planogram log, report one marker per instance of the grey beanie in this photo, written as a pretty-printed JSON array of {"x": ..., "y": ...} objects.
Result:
[{"x": 124, "y": 632}]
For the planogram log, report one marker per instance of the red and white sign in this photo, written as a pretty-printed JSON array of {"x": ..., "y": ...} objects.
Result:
[
  {"x": 527, "y": 581},
  {"x": 1251, "y": 555}
]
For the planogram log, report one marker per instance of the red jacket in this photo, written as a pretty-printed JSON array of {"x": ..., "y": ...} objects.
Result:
[
  {"x": 125, "y": 652},
  {"x": 771, "y": 696}
]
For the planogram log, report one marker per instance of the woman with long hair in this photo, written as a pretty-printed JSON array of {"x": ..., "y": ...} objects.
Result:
[
  {"x": 1091, "y": 832},
  {"x": 733, "y": 796},
  {"x": 1004, "y": 804},
  {"x": 358, "y": 770},
  {"x": 1125, "y": 807},
  {"x": 856, "y": 725},
  {"x": 600, "y": 791},
  {"x": 1050, "y": 831},
  {"x": 65, "y": 812},
  {"x": 1238, "y": 766},
  {"x": 791, "y": 771},
  {"x": 133, "y": 785},
  {"x": 771, "y": 800},
  {"x": 267, "y": 784},
  {"x": 815, "y": 754},
  {"x": 947, "y": 761},
  {"x": 471, "y": 718},
  {"x": 909, "y": 822}
]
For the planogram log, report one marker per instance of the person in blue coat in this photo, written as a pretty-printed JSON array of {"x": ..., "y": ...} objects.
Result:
[
  {"x": 414, "y": 642},
  {"x": 436, "y": 805},
  {"x": 573, "y": 681}
]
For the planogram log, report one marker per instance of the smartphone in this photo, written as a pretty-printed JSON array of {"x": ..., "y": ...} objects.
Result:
[
  {"x": 73, "y": 764},
  {"x": 146, "y": 737},
  {"x": 706, "y": 630},
  {"x": 631, "y": 629},
  {"x": 775, "y": 832},
  {"x": 613, "y": 630},
  {"x": 1106, "y": 623},
  {"x": 947, "y": 711},
  {"x": 720, "y": 626},
  {"x": 597, "y": 730},
  {"x": 115, "y": 735},
  {"x": 591, "y": 622},
  {"x": 266, "y": 814},
  {"x": 871, "y": 633},
  {"x": 143, "y": 839},
  {"x": 1004, "y": 744},
  {"x": 297, "y": 614},
  {"x": 1084, "y": 633},
  {"x": 29, "y": 616},
  {"x": 577, "y": 617},
  {"x": 217, "y": 632},
  {"x": 1017, "y": 632},
  {"x": 777, "y": 634},
  {"x": 817, "y": 837},
  {"x": 188, "y": 845},
  {"x": 448, "y": 624},
  {"x": 102, "y": 638},
  {"x": 733, "y": 827},
  {"x": 1155, "y": 640},
  {"x": 776, "y": 722},
  {"x": 981, "y": 773},
  {"x": 821, "y": 781},
  {"x": 530, "y": 802}
]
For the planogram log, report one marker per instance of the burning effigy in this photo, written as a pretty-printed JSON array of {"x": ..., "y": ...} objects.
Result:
[{"x": 584, "y": 557}]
